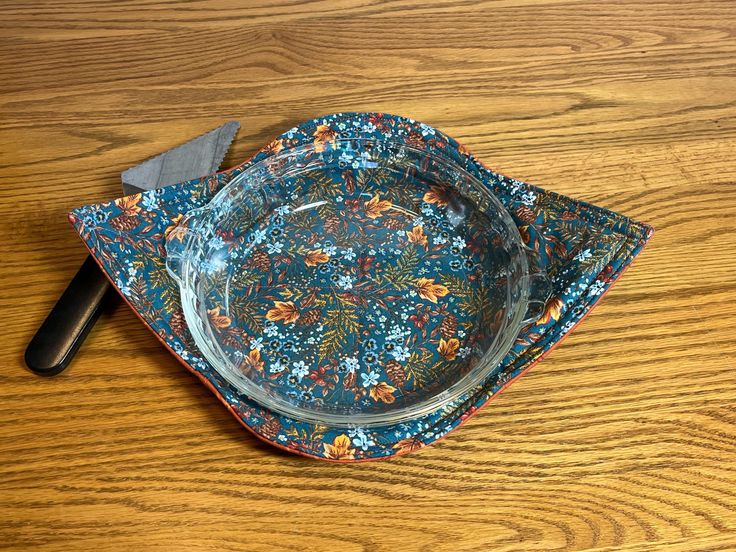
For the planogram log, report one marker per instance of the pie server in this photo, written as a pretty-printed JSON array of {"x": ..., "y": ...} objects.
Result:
[{"x": 69, "y": 322}]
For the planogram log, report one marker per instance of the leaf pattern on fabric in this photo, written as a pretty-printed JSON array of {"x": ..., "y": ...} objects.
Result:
[{"x": 584, "y": 249}]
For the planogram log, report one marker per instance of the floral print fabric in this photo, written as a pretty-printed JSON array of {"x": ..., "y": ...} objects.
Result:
[
  {"x": 364, "y": 287},
  {"x": 583, "y": 248}
]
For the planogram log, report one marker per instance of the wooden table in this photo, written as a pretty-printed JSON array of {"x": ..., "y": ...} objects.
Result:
[{"x": 624, "y": 437}]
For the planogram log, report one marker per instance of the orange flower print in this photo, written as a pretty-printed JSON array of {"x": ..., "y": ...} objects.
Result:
[
  {"x": 383, "y": 392},
  {"x": 552, "y": 310},
  {"x": 323, "y": 134},
  {"x": 176, "y": 230},
  {"x": 220, "y": 321},
  {"x": 375, "y": 207},
  {"x": 437, "y": 195},
  {"x": 282, "y": 310},
  {"x": 129, "y": 204},
  {"x": 524, "y": 231},
  {"x": 416, "y": 235},
  {"x": 313, "y": 258},
  {"x": 415, "y": 139},
  {"x": 409, "y": 444},
  {"x": 275, "y": 146},
  {"x": 252, "y": 362},
  {"x": 339, "y": 449},
  {"x": 449, "y": 348},
  {"x": 429, "y": 290}
]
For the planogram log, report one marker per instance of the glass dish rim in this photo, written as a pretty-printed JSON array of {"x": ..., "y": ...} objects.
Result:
[{"x": 185, "y": 274}]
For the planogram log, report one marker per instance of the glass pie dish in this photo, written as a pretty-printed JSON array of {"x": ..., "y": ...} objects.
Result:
[{"x": 354, "y": 282}]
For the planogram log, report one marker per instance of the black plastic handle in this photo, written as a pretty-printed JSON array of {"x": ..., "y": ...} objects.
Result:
[{"x": 69, "y": 322}]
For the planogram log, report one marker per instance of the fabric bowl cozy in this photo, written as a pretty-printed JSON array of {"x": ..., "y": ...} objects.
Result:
[{"x": 582, "y": 248}]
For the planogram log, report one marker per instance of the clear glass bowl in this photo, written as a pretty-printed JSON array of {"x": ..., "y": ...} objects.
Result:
[{"x": 354, "y": 282}]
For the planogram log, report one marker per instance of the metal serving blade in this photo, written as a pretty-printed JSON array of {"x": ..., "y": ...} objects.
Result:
[{"x": 197, "y": 158}]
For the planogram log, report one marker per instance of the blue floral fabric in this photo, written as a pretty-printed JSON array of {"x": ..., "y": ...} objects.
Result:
[{"x": 583, "y": 248}]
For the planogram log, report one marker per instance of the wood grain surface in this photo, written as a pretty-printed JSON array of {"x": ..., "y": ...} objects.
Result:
[{"x": 624, "y": 438}]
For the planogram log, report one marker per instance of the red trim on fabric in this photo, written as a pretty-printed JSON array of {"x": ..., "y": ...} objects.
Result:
[
  {"x": 548, "y": 351},
  {"x": 204, "y": 380},
  {"x": 397, "y": 454},
  {"x": 649, "y": 230}
]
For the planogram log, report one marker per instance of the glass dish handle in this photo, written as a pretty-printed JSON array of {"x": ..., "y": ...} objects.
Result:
[
  {"x": 540, "y": 287},
  {"x": 180, "y": 241}
]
